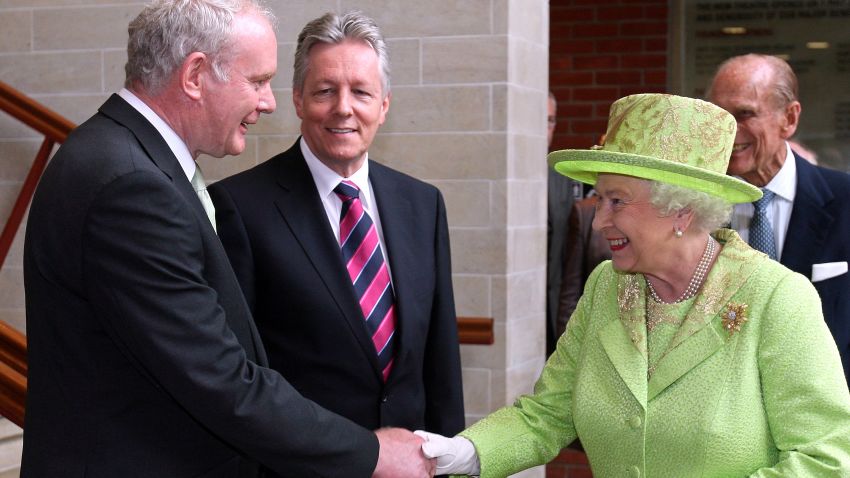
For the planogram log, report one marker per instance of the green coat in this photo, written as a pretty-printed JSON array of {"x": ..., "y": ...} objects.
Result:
[{"x": 767, "y": 400}]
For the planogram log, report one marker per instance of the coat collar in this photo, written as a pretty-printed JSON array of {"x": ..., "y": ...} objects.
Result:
[
  {"x": 700, "y": 335},
  {"x": 810, "y": 220}
]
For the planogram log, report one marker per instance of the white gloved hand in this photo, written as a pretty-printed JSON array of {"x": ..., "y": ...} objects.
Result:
[{"x": 455, "y": 456}]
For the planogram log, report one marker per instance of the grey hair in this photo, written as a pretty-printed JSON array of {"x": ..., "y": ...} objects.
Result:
[
  {"x": 710, "y": 212},
  {"x": 784, "y": 88},
  {"x": 167, "y": 31},
  {"x": 332, "y": 28}
]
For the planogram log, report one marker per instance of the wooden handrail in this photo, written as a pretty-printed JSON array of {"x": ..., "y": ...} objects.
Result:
[
  {"x": 13, "y": 373},
  {"x": 475, "y": 330},
  {"x": 34, "y": 114},
  {"x": 55, "y": 129}
]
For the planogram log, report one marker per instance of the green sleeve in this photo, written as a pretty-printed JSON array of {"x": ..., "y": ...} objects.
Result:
[
  {"x": 804, "y": 390},
  {"x": 535, "y": 429}
]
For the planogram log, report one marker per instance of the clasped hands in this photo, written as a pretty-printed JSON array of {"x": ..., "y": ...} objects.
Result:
[{"x": 423, "y": 454}]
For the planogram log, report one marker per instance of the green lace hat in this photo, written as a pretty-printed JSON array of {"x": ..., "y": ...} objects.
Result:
[{"x": 672, "y": 139}]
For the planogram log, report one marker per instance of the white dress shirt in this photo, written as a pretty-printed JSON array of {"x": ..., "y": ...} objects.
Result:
[
  {"x": 326, "y": 180},
  {"x": 784, "y": 186}
]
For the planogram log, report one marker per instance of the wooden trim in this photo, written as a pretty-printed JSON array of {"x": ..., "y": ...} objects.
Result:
[
  {"x": 34, "y": 114},
  {"x": 475, "y": 330},
  {"x": 13, "y": 373}
]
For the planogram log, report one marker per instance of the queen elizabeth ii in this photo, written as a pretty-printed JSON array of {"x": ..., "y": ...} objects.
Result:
[{"x": 690, "y": 354}]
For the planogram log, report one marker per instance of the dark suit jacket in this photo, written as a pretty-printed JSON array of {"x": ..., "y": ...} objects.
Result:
[
  {"x": 143, "y": 357},
  {"x": 276, "y": 232},
  {"x": 818, "y": 232},
  {"x": 584, "y": 250},
  {"x": 560, "y": 198}
]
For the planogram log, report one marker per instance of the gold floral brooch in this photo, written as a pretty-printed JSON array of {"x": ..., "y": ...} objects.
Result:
[{"x": 734, "y": 317}]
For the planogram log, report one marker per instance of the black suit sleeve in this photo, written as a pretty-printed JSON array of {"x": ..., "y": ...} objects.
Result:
[
  {"x": 153, "y": 299},
  {"x": 442, "y": 371}
]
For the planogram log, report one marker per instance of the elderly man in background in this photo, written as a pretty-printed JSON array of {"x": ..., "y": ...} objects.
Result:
[
  {"x": 345, "y": 262},
  {"x": 802, "y": 220},
  {"x": 143, "y": 357}
]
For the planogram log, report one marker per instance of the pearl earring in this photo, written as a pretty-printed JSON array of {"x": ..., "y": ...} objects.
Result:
[{"x": 678, "y": 232}]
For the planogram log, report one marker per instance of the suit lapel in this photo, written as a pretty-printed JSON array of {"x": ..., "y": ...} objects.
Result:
[
  {"x": 702, "y": 334},
  {"x": 399, "y": 229},
  {"x": 809, "y": 222},
  {"x": 304, "y": 214},
  {"x": 161, "y": 155}
]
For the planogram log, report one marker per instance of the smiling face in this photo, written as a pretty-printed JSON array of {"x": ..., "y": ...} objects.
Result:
[
  {"x": 232, "y": 105},
  {"x": 637, "y": 234},
  {"x": 745, "y": 90},
  {"x": 341, "y": 104}
]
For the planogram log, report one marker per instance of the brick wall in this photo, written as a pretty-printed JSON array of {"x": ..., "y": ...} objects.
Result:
[{"x": 600, "y": 51}]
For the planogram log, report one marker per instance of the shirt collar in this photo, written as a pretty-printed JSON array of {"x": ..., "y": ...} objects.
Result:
[
  {"x": 327, "y": 179},
  {"x": 175, "y": 143},
  {"x": 784, "y": 184}
]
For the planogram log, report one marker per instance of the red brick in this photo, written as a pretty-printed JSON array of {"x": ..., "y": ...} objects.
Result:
[
  {"x": 556, "y": 471},
  {"x": 632, "y": 90},
  {"x": 655, "y": 77},
  {"x": 619, "y": 13},
  {"x": 644, "y": 61},
  {"x": 595, "y": 30},
  {"x": 644, "y": 28},
  {"x": 560, "y": 31},
  {"x": 574, "y": 110},
  {"x": 583, "y": 472},
  {"x": 561, "y": 14},
  {"x": 571, "y": 78},
  {"x": 571, "y": 141},
  {"x": 646, "y": 2},
  {"x": 657, "y": 12},
  {"x": 560, "y": 63},
  {"x": 655, "y": 44},
  {"x": 574, "y": 456},
  {"x": 603, "y": 109},
  {"x": 563, "y": 93},
  {"x": 594, "y": 94},
  {"x": 618, "y": 45},
  {"x": 618, "y": 77},
  {"x": 596, "y": 62},
  {"x": 592, "y": 127},
  {"x": 572, "y": 46}
]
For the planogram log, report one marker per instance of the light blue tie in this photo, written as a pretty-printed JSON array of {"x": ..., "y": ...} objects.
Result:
[
  {"x": 200, "y": 187},
  {"x": 761, "y": 232}
]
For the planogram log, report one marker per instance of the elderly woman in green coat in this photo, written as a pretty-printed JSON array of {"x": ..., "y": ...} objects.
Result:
[{"x": 690, "y": 354}]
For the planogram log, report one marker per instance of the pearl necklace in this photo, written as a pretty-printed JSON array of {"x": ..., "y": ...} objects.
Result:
[{"x": 696, "y": 279}]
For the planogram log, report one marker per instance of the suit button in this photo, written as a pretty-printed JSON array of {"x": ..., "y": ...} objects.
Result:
[
  {"x": 385, "y": 398},
  {"x": 634, "y": 472},
  {"x": 635, "y": 422}
]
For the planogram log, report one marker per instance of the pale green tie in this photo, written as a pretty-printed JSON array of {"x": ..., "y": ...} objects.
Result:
[{"x": 200, "y": 187}]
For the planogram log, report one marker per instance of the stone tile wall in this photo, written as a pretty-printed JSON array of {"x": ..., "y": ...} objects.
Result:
[{"x": 469, "y": 87}]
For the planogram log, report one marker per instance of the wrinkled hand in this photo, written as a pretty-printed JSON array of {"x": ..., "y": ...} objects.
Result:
[
  {"x": 455, "y": 456},
  {"x": 400, "y": 455}
]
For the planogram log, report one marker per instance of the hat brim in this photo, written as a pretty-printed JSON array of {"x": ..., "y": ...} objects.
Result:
[{"x": 586, "y": 164}]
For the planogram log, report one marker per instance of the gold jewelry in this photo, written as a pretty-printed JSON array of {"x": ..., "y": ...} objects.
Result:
[{"x": 696, "y": 279}]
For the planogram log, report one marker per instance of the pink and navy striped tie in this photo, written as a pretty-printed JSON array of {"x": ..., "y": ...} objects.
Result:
[{"x": 361, "y": 252}]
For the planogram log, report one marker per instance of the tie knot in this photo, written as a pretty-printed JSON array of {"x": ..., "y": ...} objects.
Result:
[
  {"x": 347, "y": 190},
  {"x": 762, "y": 203}
]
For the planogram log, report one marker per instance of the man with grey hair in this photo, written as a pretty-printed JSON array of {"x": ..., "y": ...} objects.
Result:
[
  {"x": 345, "y": 262},
  {"x": 143, "y": 356},
  {"x": 802, "y": 219}
]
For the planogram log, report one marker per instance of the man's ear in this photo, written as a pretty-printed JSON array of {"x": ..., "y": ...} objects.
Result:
[
  {"x": 790, "y": 119},
  {"x": 193, "y": 73}
]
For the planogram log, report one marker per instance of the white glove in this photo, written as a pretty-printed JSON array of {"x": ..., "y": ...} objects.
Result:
[{"x": 455, "y": 456}]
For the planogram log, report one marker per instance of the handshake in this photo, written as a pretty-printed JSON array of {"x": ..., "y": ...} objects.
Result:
[{"x": 423, "y": 454}]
